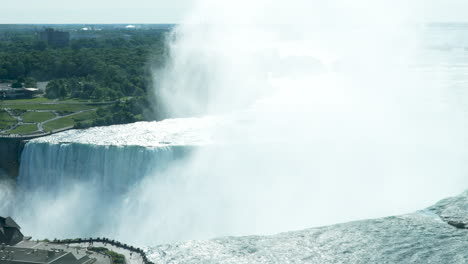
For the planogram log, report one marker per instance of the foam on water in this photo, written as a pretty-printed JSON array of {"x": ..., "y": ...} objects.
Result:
[{"x": 170, "y": 132}]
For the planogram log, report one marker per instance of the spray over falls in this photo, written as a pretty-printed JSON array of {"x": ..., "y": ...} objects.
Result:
[{"x": 306, "y": 124}]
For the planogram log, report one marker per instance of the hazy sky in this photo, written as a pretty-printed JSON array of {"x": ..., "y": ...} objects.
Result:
[
  {"x": 94, "y": 11},
  {"x": 445, "y": 10},
  {"x": 159, "y": 11}
]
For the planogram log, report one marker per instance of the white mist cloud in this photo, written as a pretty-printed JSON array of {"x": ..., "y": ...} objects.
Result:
[
  {"x": 327, "y": 120},
  {"x": 335, "y": 122}
]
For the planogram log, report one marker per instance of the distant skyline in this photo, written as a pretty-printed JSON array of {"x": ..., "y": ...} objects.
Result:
[
  {"x": 93, "y": 11},
  {"x": 160, "y": 11}
]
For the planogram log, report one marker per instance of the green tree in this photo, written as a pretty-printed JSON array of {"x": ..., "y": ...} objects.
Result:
[
  {"x": 30, "y": 82},
  {"x": 17, "y": 84},
  {"x": 55, "y": 89}
]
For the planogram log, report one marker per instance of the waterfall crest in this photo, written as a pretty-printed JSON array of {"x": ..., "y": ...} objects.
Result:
[{"x": 111, "y": 169}]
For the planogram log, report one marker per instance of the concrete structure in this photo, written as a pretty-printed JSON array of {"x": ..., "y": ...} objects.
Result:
[
  {"x": 42, "y": 86},
  {"x": 15, "y": 93},
  {"x": 10, "y": 233},
  {"x": 16, "y": 249},
  {"x": 55, "y": 38},
  {"x": 67, "y": 251},
  {"x": 17, "y": 255}
]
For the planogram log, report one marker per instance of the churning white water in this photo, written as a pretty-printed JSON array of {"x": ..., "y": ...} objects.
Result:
[{"x": 306, "y": 115}]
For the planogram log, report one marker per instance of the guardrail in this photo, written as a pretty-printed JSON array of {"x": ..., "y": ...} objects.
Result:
[
  {"x": 29, "y": 136},
  {"x": 108, "y": 241},
  {"x": 36, "y": 135}
]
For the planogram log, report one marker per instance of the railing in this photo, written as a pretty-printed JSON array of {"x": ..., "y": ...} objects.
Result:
[
  {"x": 35, "y": 135},
  {"x": 108, "y": 241}
]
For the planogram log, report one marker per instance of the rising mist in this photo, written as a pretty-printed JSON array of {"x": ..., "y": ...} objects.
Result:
[
  {"x": 335, "y": 121},
  {"x": 325, "y": 116}
]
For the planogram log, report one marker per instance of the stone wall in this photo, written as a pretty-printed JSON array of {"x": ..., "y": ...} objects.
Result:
[{"x": 10, "y": 155}]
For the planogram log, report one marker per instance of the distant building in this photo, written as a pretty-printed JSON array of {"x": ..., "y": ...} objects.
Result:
[
  {"x": 10, "y": 233},
  {"x": 42, "y": 86},
  {"x": 16, "y": 93},
  {"x": 55, "y": 38}
]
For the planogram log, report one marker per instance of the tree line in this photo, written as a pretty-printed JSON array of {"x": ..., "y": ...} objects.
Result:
[
  {"x": 112, "y": 65},
  {"x": 89, "y": 68}
]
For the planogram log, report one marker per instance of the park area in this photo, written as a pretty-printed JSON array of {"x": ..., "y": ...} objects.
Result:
[{"x": 42, "y": 116}]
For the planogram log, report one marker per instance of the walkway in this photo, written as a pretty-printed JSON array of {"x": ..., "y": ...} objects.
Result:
[
  {"x": 77, "y": 250},
  {"x": 130, "y": 257},
  {"x": 40, "y": 125}
]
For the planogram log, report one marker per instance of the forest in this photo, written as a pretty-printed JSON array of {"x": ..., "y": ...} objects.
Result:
[
  {"x": 108, "y": 67},
  {"x": 105, "y": 65}
]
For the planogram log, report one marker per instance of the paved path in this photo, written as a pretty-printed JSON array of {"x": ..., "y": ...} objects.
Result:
[
  {"x": 7, "y": 103},
  {"x": 79, "y": 250},
  {"x": 19, "y": 120},
  {"x": 40, "y": 126}
]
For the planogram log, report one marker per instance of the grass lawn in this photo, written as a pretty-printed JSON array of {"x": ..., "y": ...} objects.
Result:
[
  {"x": 69, "y": 121},
  {"x": 25, "y": 108},
  {"x": 22, "y": 101},
  {"x": 6, "y": 120},
  {"x": 37, "y": 117},
  {"x": 24, "y": 129},
  {"x": 46, "y": 100},
  {"x": 73, "y": 100},
  {"x": 84, "y": 116},
  {"x": 64, "y": 108}
]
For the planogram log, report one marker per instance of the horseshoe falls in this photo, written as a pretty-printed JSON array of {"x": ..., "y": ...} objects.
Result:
[
  {"x": 93, "y": 172},
  {"x": 111, "y": 169},
  {"x": 112, "y": 159},
  {"x": 322, "y": 143},
  {"x": 328, "y": 117}
]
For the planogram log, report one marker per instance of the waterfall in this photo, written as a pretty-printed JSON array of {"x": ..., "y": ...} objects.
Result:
[
  {"x": 315, "y": 124},
  {"x": 93, "y": 182},
  {"x": 111, "y": 169},
  {"x": 69, "y": 185}
]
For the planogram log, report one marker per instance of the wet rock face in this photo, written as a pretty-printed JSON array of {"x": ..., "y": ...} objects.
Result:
[
  {"x": 427, "y": 236},
  {"x": 453, "y": 210},
  {"x": 9, "y": 162}
]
